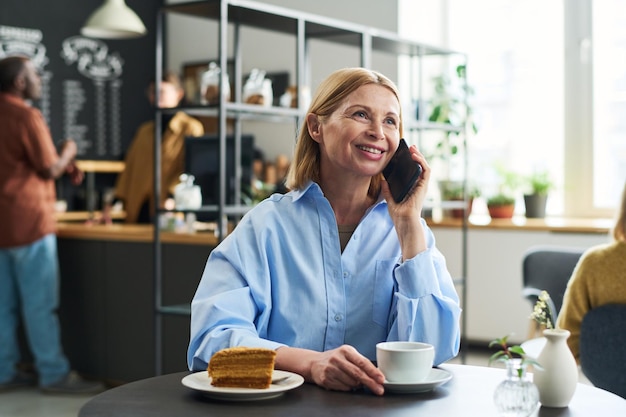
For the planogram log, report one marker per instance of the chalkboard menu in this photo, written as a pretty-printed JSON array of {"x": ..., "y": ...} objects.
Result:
[{"x": 93, "y": 90}]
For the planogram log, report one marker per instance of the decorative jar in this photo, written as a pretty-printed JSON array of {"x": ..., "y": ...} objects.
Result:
[
  {"x": 558, "y": 377},
  {"x": 517, "y": 395}
]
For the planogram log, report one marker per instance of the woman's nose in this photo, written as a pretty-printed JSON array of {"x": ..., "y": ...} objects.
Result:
[{"x": 377, "y": 131}]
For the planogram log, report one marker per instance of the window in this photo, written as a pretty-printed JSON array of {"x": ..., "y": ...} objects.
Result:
[
  {"x": 609, "y": 100},
  {"x": 549, "y": 80}
]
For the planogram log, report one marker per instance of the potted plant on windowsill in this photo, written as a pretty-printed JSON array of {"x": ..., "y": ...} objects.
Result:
[
  {"x": 539, "y": 184},
  {"x": 454, "y": 191},
  {"x": 502, "y": 204}
]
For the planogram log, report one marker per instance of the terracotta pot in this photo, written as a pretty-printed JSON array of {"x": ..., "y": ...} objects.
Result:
[
  {"x": 501, "y": 212},
  {"x": 458, "y": 213}
]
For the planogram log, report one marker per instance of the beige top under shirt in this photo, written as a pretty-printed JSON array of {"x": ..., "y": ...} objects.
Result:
[{"x": 345, "y": 233}]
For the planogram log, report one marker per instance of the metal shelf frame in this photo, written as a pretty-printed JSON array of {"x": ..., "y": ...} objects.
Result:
[{"x": 304, "y": 27}]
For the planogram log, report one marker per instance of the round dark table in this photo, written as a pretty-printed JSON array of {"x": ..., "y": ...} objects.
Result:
[{"x": 468, "y": 393}]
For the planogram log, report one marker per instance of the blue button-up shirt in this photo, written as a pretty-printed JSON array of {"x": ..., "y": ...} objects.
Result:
[{"x": 281, "y": 279}]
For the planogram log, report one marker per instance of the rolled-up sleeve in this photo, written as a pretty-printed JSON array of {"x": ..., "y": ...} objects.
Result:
[{"x": 427, "y": 304}]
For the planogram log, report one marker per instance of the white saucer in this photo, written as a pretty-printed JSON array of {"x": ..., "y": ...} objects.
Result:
[
  {"x": 434, "y": 379},
  {"x": 200, "y": 381}
]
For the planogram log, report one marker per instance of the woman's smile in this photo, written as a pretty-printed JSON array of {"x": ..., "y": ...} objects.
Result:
[{"x": 372, "y": 153}]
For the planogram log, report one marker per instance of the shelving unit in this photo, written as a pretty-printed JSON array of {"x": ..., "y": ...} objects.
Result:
[{"x": 304, "y": 27}]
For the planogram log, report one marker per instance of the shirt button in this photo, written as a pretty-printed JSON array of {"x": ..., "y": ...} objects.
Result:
[
  {"x": 345, "y": 275},
  {"x": 338, "y": 317}
]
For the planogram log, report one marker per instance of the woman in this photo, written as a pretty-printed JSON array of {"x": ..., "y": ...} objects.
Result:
[
  {"x": 324, "y": 272},
  {"x": 135, "y": 185},
  {"x": 598, "y": 279}
]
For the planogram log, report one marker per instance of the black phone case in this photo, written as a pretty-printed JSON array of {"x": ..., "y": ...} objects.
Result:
[{"x": 401, "y": 172}]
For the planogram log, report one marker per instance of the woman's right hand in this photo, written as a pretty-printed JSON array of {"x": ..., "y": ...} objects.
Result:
[{"x": 340, "y": 369}]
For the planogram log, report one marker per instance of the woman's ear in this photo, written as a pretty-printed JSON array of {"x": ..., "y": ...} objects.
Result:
[{"x": 314, "y": 126}]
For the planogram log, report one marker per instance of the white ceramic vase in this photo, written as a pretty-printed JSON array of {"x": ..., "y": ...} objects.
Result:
[{"x": 558, "y": 378}]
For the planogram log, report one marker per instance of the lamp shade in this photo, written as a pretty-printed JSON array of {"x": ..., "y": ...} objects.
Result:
[{"x": 114, "y": 20}]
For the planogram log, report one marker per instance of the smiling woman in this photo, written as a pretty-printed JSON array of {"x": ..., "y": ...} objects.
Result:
[
  {"x": 332, "y": 96},
  {"x": 356, "y": 140},
  {"x": 336, "y": 239}
]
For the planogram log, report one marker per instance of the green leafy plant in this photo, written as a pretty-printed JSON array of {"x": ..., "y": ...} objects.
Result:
[
  {"x": 539, "y": 182},
  {"x": 509, "y": 183},
  {"x": 507, "y": 353},
  {"x": 449, "y": 106},
  {"x": 500, "y": 200},
  {"x": 454, "y": 191}
]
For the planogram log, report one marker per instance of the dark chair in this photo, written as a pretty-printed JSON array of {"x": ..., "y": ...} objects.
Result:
[
  {"x": 602, "y": 352},
  {"x": 548, "y": 268}
]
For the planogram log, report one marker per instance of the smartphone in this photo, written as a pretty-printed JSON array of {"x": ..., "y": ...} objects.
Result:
[{"x": 401, "y": 172}]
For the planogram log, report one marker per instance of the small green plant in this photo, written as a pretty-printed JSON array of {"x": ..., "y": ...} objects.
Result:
[
  {"x": 541, "y": 314},
  {"x": 540, "y": 182},
  {"x": 509, "y": 183},
  {"x": 454, "y": 191},
  {"x": 500, "y": 200},
  {"x": 506, "y": 353},
  {"x": 450, "y": 106}
]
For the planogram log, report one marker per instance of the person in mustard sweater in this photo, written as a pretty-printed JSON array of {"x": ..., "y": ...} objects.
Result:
[
  {"x": 598, "y": 279},
  {"x": 135, "y": 185}
]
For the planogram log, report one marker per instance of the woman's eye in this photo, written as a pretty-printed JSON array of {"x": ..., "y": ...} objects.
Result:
[
  {"x": 360, "y": 114},
  {"x": 391, "y": 121}
]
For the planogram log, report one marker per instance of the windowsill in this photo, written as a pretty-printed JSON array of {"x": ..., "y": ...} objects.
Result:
[{"x": 550, "y": 224}]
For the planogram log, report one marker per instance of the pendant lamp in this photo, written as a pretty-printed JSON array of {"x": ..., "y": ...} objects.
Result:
[{"x": 114, "y": 20}]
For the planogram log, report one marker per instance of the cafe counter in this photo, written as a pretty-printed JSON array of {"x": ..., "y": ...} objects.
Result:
[
  {"x": 130, "y": 233},
  {"x": 107, "y": 308}
]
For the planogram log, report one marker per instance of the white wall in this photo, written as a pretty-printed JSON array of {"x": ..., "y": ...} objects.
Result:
[
  {"x": 423, "y": 20},
  {"x": 495, "y": 306},
  {"x": 192, "y": 39}
]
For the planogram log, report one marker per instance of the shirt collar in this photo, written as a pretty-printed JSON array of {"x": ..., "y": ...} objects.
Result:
[
  {"x": 314, "y": 190},
  {"x": 311, "y": 188},
  {"x": 13, "y": 99}
]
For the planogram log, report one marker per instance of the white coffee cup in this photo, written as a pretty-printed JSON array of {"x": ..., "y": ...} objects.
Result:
[{"x": 405, "y": 362}]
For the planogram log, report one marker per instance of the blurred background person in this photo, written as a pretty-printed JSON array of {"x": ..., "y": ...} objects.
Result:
[
  {"x": 598, "y": 279},
  {"x": 135, "y": 185},
  {"x": 29, "y": 266}
]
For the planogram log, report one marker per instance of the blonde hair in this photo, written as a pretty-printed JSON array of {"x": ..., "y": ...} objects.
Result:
[
  {"x": 328, "y": 97},
  {"x": 619, "y": 229}
]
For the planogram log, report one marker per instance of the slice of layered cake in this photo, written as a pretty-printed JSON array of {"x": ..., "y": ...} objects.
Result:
[{"x": 242, "y": 367}]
